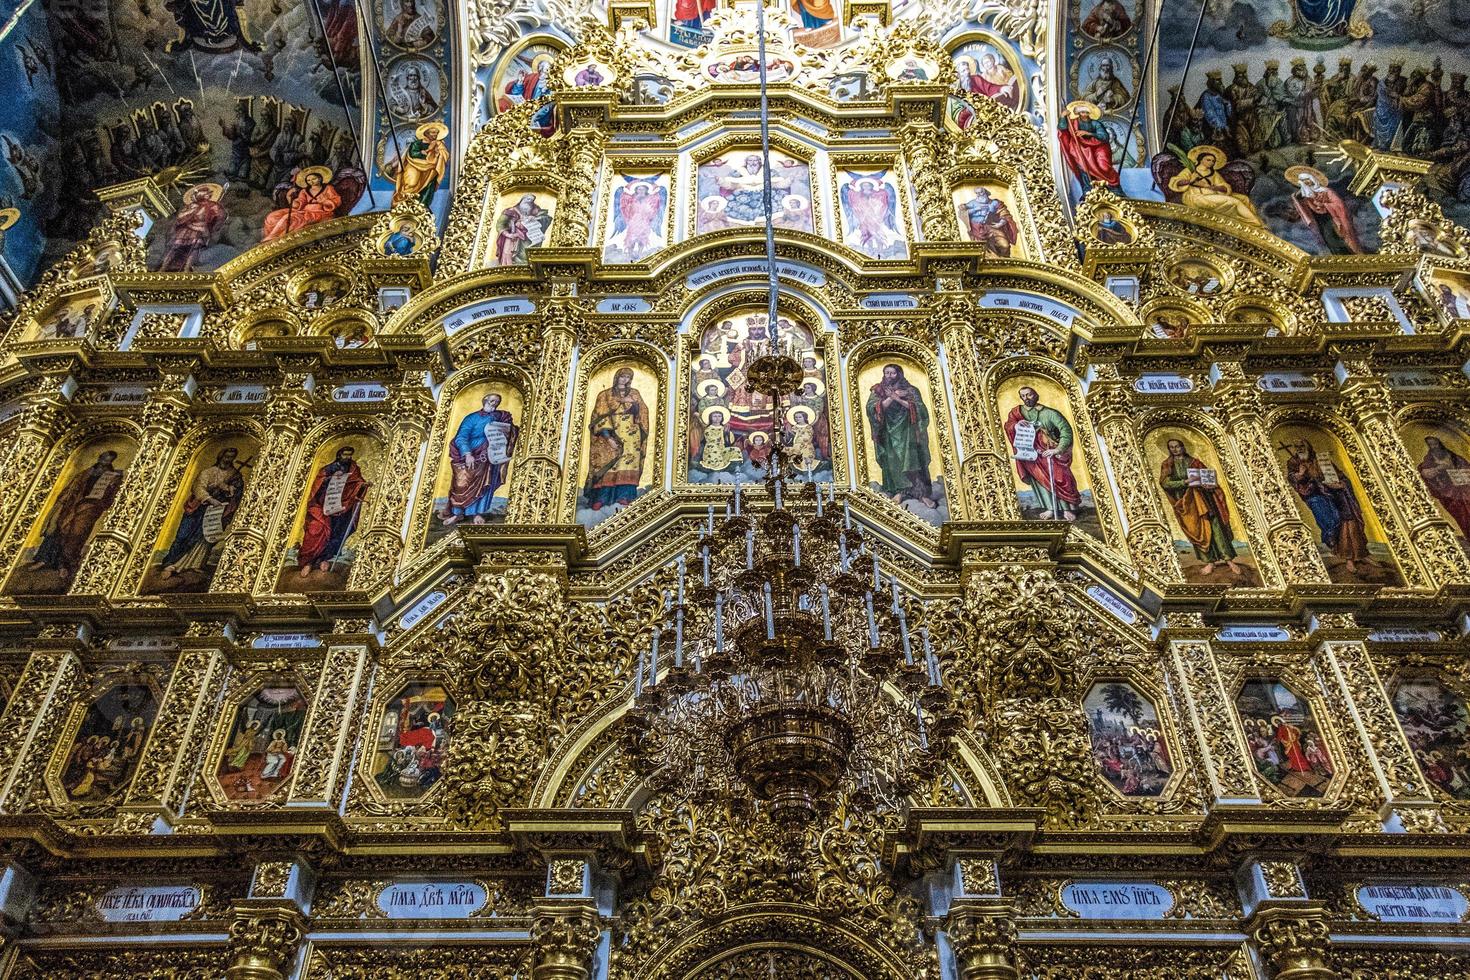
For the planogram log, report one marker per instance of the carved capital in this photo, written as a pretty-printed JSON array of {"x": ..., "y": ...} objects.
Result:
[
  {"x": 565, "y": 941},
  {"x": 264, "y": 937},
  {"x": 983, "y": 935},
  {"x": 1293, "y": 942}
]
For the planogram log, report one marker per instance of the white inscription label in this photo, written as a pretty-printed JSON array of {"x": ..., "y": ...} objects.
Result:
[
  {"x": 1113, "y": 604},
  {"x": 241, "y": 394},
  {"x": 1040, "y": 305},
  {"x": 728, "y": 270},
  {"x": 1117, "y": 899},
  {"x": 359, "y": 393},
  {"x": 421, "y": 609},
  {"x": 470, "y": 315},
  {"x": 1286, "y": 381},
  {"x": 1405, "y": 634},
  {"x": 890, "y": 301},
  {"x": 624, "y": 304},
  {"x": 432, "y": 899},
  {"x": 148, "y": 903},
  {"x": 283, "y": 641},
  {"x": 1413, "y": 903},
  {"x": 1253, "y": 634},
  {"x": 1163, "y": 384}
]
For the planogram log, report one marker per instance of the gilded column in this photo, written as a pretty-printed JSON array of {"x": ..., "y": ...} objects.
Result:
[
  {"x": 1371, "y": 409},
  {"x": 41, "y": 422},
  {"x": 164, "y": 418},
  {"x": 31, "y": 725},
  {"x": 1228, "y": 774},
  {"x": 920, "y": 140},
  {"x": 186, "y": 716},
  {"x": 535, "y": 496},
  {"x": 1292, "y": 940},
  {"x": 244, "y": 547},
  {"x": 1357, "y": 696},
  {"x": 573, "y": 225},
  {"x": 983, "y": 936},
  {"x": 565, "y": 937},
  {"x": 1239, "y": 402},
  {"x": 1149, "y": 539},
  {"x": 382, "y": 541},
  {"x": 265, "y": 939},
  {"x": 985, "y": 476},
  {"x": 326, "y": 744}
]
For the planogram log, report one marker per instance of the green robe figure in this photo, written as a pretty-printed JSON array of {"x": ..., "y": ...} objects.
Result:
[{"x": 900, "y": 426}]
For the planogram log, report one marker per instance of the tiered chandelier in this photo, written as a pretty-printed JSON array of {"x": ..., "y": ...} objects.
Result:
[{"x": 785, "y": 670}]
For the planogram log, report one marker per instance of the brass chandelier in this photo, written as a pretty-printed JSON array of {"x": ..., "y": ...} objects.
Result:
[{"x": 785, "y": 672}]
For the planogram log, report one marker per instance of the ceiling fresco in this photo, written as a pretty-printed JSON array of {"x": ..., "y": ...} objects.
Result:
[{"x": 248, "y": 117}]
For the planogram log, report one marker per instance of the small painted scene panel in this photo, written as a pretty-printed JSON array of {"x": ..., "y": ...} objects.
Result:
[{"x": 414, "y": 733}]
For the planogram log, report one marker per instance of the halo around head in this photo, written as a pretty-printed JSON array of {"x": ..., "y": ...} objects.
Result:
[
  {"x": 1082, "y": 105},
  {"x": 791, "y": 414},
  {"x": 707, "y": 383},
  {"x": 431, "y": 131},
  {"x": 1206, "y": 149},
  {"x": 215, "y": 191},
  {"x": 8, "y": 217},
  {"x": 1295, "y": 172},
  {"x": 325, "y": 173},
  {"x": 723, "y": 409}
]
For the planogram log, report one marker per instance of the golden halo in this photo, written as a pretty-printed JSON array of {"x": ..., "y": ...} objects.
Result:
[
  {"x": 431, "y": 131},
  {"x": 722, "y": 409},
  {"x": 325, "y": 173},
  {"x": 216, "y": 191},
  {"x": 821, "y": 386},
  {"x": 811, "y": 416},
  {"x": 1080, "y": 104},
  {"x": 1205, "y": 148},
  {"x": 1297, "y": 170},
  {"x": 8, "y": 217},
  {"x": 703, "y": 385}
]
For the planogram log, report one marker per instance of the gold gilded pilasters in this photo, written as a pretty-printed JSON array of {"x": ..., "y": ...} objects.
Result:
[
  {"x": 164, "y": 418},
  {"x": 536, "y": 492},
  {"x": 1149, "y": 539},
  {"x": 1438, "y": 546},
  {"x": 1241, "y": 408},
  {"x": 382, "y": 541},
  {"x": 983, "y": 936},
  {"x": 984, "y": 466},
  {"x": 1356, "y": 694},
  {"x": 585, "y": 141},
  {"x": 245, "y": 547},
  {"x": 1291, "y": 940},
  {"x": 565, "y": 935},
  {"x": 1210, "y": 721},
  {"x": 187, "y": 716},
  {"x": 32, "y": 722},
  {"x": 265, "y": 939},
  {"x": 326, "y": 743},
  {"x": 920, "y": 141},
  {"x": 41, "y": 423}
]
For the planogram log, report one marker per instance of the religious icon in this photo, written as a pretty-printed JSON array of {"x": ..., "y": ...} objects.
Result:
[
  {"x": 1288, "y": 748},
  {"x": 1206, "y": 178},
  {"x": 902, "y": 438},
  {"x": 590, "y": 74},
  {"x": 911, "y": 67},
  {"x": 1051, "y": 481},
  {"x": 871, "y": 222},
  {"x": 411, "y": 24},
  {"x": 1195, "y": 490},
  {"x": 1429, "y": 237},
  {"x": 1257, "y": 315},
  {"x": 524, "y": 222},
  {"x": 746, "y": 68},
  {"x": 731, "y": 192},
  {"x": 350, "y": 333},
  {"x": 1323, "y": 23},
  {"x": 414, "y": 734},
  {"x": 987, "y": 67},
  {"x": 1087, "y": 147},
  {"x": 1128, "y": 740},
  {"x": 730, "y": 433},
  {"x": 200, "y": 519},
  {"x": 196, "y": 226},
  {"x": 526, "y": 77},
  {"x": 1444, "y": 468},
  {"x": 1104, "y": 20},
  {"x": 251, "y": 337},
  {"x": 1452, "y": 296},
  {"x": 1436, "y": 722},
  {"x": 687, "y": 22},
  {"x": 1105, "y": 78},
  {"x": 820, "y": 24},
  {"x": 986, "y": 218},
  {"x": 260, "y": 753},
  {"x": 1110, "y": 229},
  {"x": 108, "y": 745},
  {"x": 423, "y": 164},
  {"x": 415, "y": 87},
  {"x": 1197, "y": 277},
  {"x": 325, "y": 542},
  {"x": 402, "y": 240},
  {"x": 1169, "y": 323},
  {"x": 620, "y": 434},
  {"x": 1323, "y": 210},
  {"x": 1352, "y": 542},
  {"x": 209, "y": 26},
  {"x": 474, "y": 474},
  {"x": 639, "y": 212},
  {"x": 88, "y": 486},
  {"x": 310, "y": 200},
  {"x": 321, "y": 291},
  {"x": 72, "y": 320}
]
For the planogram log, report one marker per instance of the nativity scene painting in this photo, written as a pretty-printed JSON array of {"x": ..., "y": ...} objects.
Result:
[
  {"x": 107, "y": 747},
  {"x": 730, "y": 429},
  {"x": 413, "y": 736}
]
